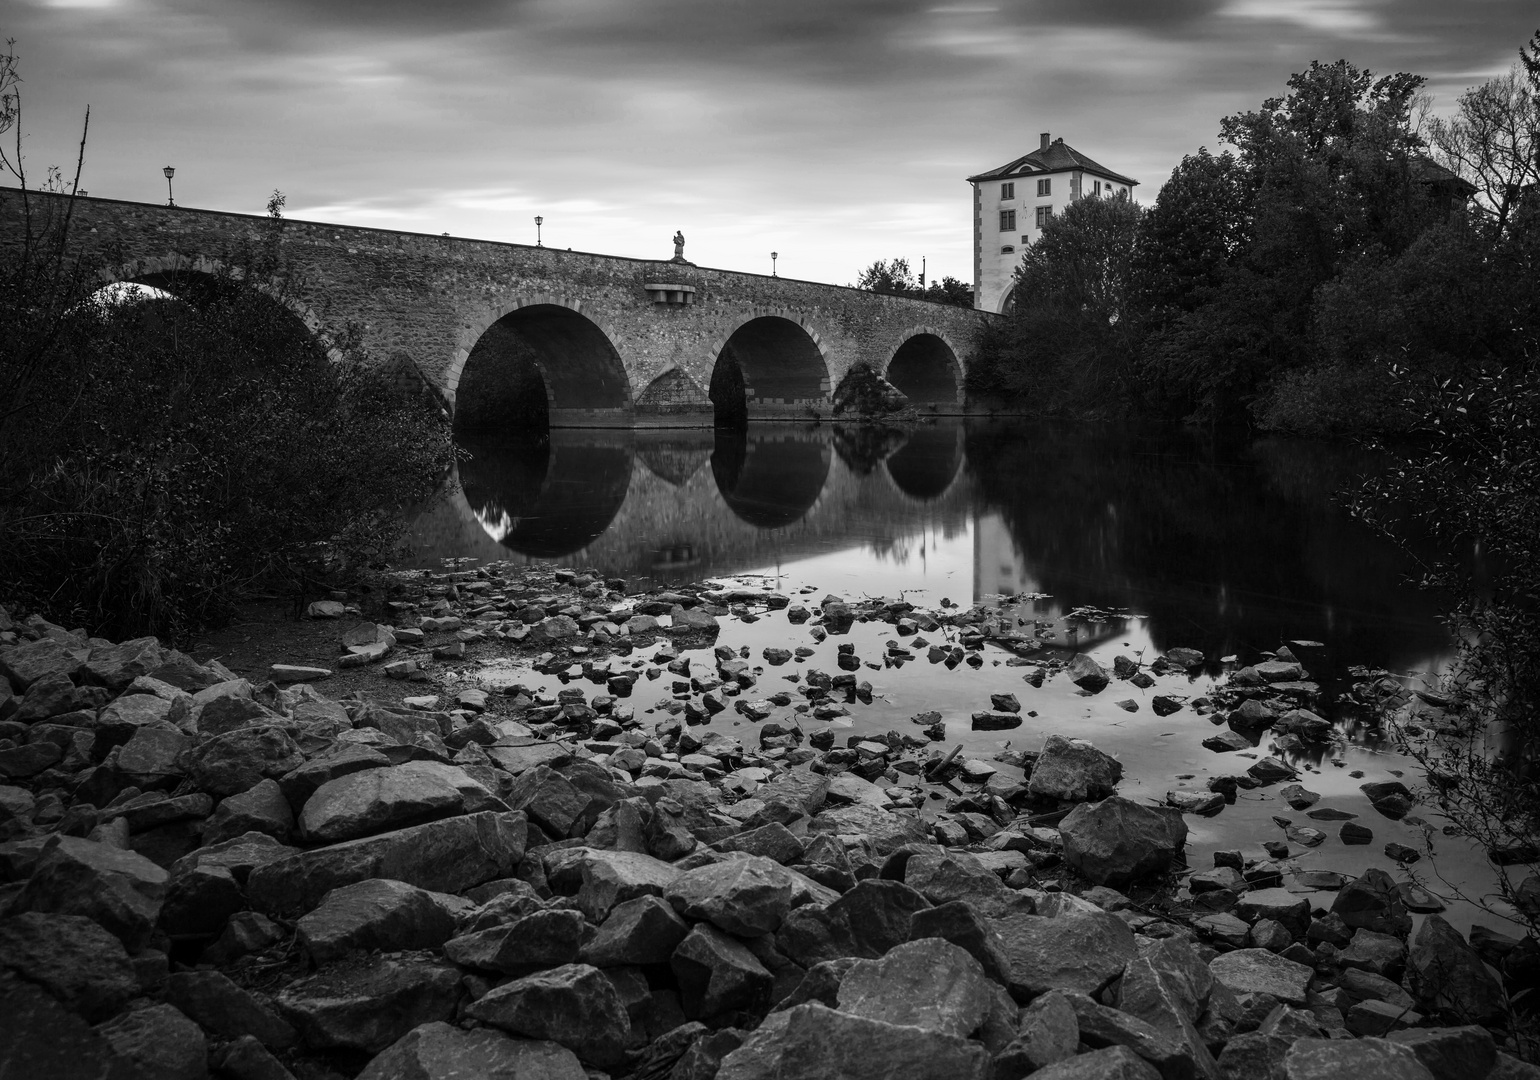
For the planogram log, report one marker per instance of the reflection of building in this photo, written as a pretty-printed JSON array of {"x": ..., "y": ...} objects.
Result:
[
  {"x": 1000, "y": 570},
  {"x": 1011, "y": 203}
]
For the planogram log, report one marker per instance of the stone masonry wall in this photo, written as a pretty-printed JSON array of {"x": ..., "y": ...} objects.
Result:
[{"x": 431, "y": 297}]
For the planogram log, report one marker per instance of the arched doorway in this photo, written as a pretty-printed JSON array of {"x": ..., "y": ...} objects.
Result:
[
  {"x": 542, "y": 366},
  {"x": 926, "y": 370},
  {"x": 770, "y": 368}
]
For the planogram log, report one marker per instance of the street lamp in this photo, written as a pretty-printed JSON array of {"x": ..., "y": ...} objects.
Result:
[
  {"x": 539, "y": 221},
  {"x": 170, "y": 172},
  {"x": 773, "y": 256}
]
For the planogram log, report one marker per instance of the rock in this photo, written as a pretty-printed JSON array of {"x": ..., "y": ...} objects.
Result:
[
  {"x": 1353, "y": 834},
  {"x": 641, "y": 931},
  {"x": 26, "y": 663},
  {"x": 941, "y": 876},
  {"x": 1298, "y": 797},
  {"x": 1117, "y": 841},
  {"x": 41, "y": 1039},
  {"x": 718, "y": 974},
  {"x": 443, "y": 856},
  {"x": 262, "y": 809},
  {"x": 225, "y": 1010},
  {"x": 1448, "y": 977},
  {"x": 199, "y": 901},
  {"x": 1372, "y": 1017},
  {"x": 152, "y": 757},
  {"x": 813, "y": 1042},
  {"x": 440, "y": 1051},
  {"x": 1175, "y": 1059},
  {"x": 1047, "y": 1033},
  {"x": 1288, "y": 909},
  {"x": 773, "y": 841},
  {"x": 1226, "y": 742},
  {"x": 929, "y": 983},
  {"x": 326, "y": 609},
  {"x": 1372, "y": 902},
  {"x": 1362, "y": 1059},
  {"x": 1112, "y": 1063},
  {"x": 747, "y": 897},
  {"x": 378, "y": 914},
  {"x": 1078, "y": 951},
  {"x": 239, "y": 760},
  {"x": 160, "y": 1041},
  {"x": 552, "y": 801},
  {"x": 539, "y": 939},
  {"x": 302, "y": 782},
  {"x": 1391, "y": 798},
  {"x": 1257, "y": 971},
  {"x": 573, "y": 1005},
  {"x": 1073, "y": 770},
  {"x": 120, "y": 890},
  {"x": 983, "y": 721},
  {"x": 693, "y": 621},
  {"x": 865, "y": 922},
  {"x": 375, "y": 800},
  {"x": 369, "y": 1003},
  {"x": 71, "y": 957},
  {"x": 612, "y": 877},
  {"x": 1379, "y": 954},
  {"x": 1086, "y": 673},
  {"x": 960, "y": 923},
  {"x": 1205, "y": 804},
  {"x": 1451, "y": 1053},
  {"x": 1167, "y": 985},
  {"x": 1270, "y": 770}
]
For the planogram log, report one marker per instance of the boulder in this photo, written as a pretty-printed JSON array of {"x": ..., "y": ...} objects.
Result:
[
  {"x": 304, "y": 780},
  {"x": 552, "y": 801},
  {"x": 1289, "y": 910},
  {"x": 390, "y": 916},
  {"x": 538, "y": 939},
  {"x": 41, "y": 1038},
  {"x": 160, "y": 1041},
  {"x": 1175, "y": 1058},
  {"x": 1449, "y": 978},
  {"x": 226, "y": 1010},
  {"x": 72, "y": 958},
  {"x": 1167, "y": 985},
  {"x": 375, "y": 800},
  {"x": 30, "y": 661},
  {"x": 960, "y": 923},
  {"x": 717, "y": 974},
  {"x": 120, "y": 890},
  {"x": 262, "y": 809},
  {"x": 942, "y": 875},
  {"x": 929, "y": 983},
  {"x": 641, "y": 931},
  {"x": 239, "y": 760},
  {"x": 573, "y": 1005},
  {"x": 368, "y": 1004},
  {"x": 1361, "y": 1059},
  {"x": 152, "y": 757},
  {"x": 1087, "y": 673},
  {"x": 1072, "y": 770},
  {"x": 1047, "y": 1032},
  {"x": 1117, "y": 841},
  {"x": 1079, "y": 951},
  {"x": 813, "y": 1042},
  {"x": 1257, "y": 971},
  {"x": 1371, "y": 901},
  {"x": 440, "y": 1051},
  {"x": 1379, "y": 954},
  {"x": 1451, "y": 1053},
  {"x": 747, "y": 897},
  {"x": 865, "y": 922},
  {"x": 199, "y": 901},
  {"x": 614, "y": 877},
  {"x": 443, "y": 856}
]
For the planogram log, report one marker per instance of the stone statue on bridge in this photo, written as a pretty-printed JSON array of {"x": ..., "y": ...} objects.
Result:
[{"x": 679, "y": 247}]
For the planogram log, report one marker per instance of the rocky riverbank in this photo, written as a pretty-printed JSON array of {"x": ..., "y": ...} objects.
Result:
[{"x": 505, "y": 831}]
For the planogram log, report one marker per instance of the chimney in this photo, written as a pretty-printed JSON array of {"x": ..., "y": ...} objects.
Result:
[{"x": 1044, "y": 145}]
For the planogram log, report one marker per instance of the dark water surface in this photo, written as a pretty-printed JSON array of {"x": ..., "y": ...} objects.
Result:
[{"x": 1228, "y": 547}]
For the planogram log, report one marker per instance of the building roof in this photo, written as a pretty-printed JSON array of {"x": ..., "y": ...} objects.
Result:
[{"x": 1055, "y": 157}]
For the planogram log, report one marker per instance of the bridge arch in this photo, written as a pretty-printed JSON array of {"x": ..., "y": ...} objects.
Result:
[
  {"x": 769, "y": 365},
  {"x": 770, "y": 477},
  {"x": 928, "y": 463},
  {"x": 926, "y": 368},
  {"x": 172, "y": 272},
  {"x": 547, "y": 361}
]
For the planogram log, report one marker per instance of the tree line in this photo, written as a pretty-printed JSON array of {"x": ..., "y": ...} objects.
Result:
[{"x": 1346, "y": 253}]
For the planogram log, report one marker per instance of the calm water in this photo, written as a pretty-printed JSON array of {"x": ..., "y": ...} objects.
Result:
[
  {"x": 1231, "y": 548},
  {"x": 1226, "y": 547}
]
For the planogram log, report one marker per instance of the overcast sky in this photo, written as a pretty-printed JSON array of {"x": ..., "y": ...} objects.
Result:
[{"x": 833, "y": 131}]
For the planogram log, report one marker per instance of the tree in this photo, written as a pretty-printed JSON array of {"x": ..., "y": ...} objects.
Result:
[
  {"x": 1200, "y": 221},
  {"x": 892, "y": 277},
  {"x": 1493, "y": 141}
]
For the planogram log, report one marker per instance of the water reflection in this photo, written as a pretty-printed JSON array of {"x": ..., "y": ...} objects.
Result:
[{"x": 1227, "y": 547}]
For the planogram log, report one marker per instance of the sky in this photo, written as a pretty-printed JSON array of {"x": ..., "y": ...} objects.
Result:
[{"x": 835, "y": 132}]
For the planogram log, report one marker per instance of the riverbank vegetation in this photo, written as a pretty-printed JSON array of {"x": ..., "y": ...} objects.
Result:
[
  {"x": 1345, "y": 253},
  {"x": 164, "y": 452}
]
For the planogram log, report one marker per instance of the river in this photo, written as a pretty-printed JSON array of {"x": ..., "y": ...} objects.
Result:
[{"x": 1229, "y": 545}]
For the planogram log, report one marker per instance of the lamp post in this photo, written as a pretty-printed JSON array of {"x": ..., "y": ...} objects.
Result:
[
  {"x": 170, "y": 172},
  {"x": 539, "y": 221},
  {"x": 773, "y": 256}
]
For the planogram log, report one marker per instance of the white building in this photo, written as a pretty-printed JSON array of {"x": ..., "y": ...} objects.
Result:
[{"x": 1011, "y": 203}]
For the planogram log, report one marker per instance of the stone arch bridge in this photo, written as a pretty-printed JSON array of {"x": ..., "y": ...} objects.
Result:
[{"x": 617, "y": 341}]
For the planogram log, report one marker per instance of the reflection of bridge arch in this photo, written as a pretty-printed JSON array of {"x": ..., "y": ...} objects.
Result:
[
  {"x": 548, "y": 495},
  {"x": 580, "y": 368},
  {"x": 925, "y": 367},
  {"x": 172, "y": 273},
  {"x": 769, "y": 479},
  {"x": 929, "y": 462},
  {"x": 769, "y": 365}
]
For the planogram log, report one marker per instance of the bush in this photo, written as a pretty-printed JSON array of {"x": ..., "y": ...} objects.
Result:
[{"x": 166, "y": 456}]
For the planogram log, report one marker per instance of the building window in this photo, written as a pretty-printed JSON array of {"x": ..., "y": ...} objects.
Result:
[
  {"x": 1026, "y": 240},
  {"x": 1043, "y": 214},
  {"x": 1007, "y": 221},
  {"x": 1007, "y": 191},
  {"x": 1044, "y": 187},
  {"x": 1007, "y": 249},
  {"x": 1096, "y": 188}
]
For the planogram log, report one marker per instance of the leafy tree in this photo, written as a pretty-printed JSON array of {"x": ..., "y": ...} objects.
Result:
[
  {"x": 892, "y": 277},
  {"x": 1200, "y": 221},
  {"x": 949, "y": 290}
]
